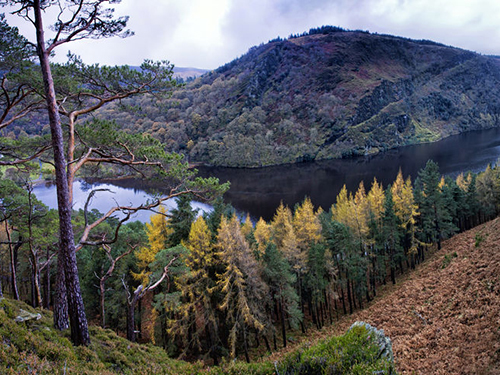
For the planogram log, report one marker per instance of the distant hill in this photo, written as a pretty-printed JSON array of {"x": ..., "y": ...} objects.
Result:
[
  {"x": 328, "y": 93},
  {"x": 186, "y": 73}
]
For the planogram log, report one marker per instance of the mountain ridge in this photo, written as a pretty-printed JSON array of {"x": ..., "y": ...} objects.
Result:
[{"x": 330, "y": 93}]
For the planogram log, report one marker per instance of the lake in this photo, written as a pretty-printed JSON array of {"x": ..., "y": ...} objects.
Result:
[{"x": 259, "y": 191}]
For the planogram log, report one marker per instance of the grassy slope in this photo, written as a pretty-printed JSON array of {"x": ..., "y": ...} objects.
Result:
[{"x": 444, "y": 318}]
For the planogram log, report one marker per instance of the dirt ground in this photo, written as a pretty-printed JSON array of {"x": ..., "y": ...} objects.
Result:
[{"x": 443, "y": 318}]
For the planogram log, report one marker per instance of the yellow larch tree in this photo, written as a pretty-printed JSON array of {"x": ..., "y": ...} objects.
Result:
[
  {"x": 247, "y": 226},
  {"x": 306, "y": 225},
  {"x": 284, "y": 237},
  {"x": 405, "y": 208},
  {"x": 281, "y": 224},
  {"x": 197, "y": 311},
  {"x": 464, "y": 182},
  {"x": 361, "y": 213},
  {"x": 262, "y": 235},
  {"x": 157, "y": 231},
  {"x": 341, "y": 211},
  {"x": 376, "y": 202},
  {"x": 244, "y": 292},
  {"x": 404, "y": 203}
]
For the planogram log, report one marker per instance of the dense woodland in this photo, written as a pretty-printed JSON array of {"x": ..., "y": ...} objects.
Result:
[{"x": 234, "y": 284}]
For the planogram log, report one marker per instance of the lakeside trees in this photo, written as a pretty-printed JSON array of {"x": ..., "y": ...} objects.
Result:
[{"x": 73, "y": 90}]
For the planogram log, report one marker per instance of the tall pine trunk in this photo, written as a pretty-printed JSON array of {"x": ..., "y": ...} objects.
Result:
[
  {"x": 13, "y": 263},
  {"x": 61, "y": 318},
  {"x": 46, "y": 302},
  {"x": 67, "y": 252}
]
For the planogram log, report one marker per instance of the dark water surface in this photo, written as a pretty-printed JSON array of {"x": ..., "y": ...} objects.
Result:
[{"x": 259, "y": 191}]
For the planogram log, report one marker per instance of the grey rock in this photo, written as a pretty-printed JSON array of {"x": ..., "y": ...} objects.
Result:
[
  {"x": 383, "y": 342},
  {"x": 25, "y": 316}
]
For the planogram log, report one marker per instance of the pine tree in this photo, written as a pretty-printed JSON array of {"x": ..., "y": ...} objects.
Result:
[
  {"x": 488, "y": 190},
  {"x": 436, "y": 220},
  {"x": 391, "y": 235},
  {"x": 280, "y": 278},
  {"x": 180, "y": 220}
]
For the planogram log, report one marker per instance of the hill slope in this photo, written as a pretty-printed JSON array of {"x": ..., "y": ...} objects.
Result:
[
  {"x": 326, "y": 94},
  {"x": 444, "y": 317}
]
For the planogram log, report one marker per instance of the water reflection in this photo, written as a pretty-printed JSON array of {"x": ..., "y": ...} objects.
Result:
[
  {"x": 111, "y": 194},
  {"x": 259, "y": 191}
]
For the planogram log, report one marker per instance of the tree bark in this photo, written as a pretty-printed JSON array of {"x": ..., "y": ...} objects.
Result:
[
  {"x": 245, "y": 344},
  {"x": 101, "y": 302},
  {"x": 283, "y": 322},
  {"x": 131, "y": 303},
  {"x": 61, "y": 318},
  {"x": 13, "y": 263},
  {"x": 47, "y": 282},
  {"x": 67, "y": 254},
  {"x": 35, "y": 274},
  {"x": 131, "y": 322}
]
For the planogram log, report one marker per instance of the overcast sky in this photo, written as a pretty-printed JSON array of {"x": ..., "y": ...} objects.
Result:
[{"x": 209, "y": 33}]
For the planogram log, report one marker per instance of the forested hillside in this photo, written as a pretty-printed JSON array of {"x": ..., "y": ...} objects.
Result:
[
  {"x": 329, "y": 93},
  {"x": 443, "y": 318}
]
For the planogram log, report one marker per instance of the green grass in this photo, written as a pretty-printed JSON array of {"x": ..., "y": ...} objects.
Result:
[
  {"x": 35, "y": 347},
  {"x": 355, "y": 352}
]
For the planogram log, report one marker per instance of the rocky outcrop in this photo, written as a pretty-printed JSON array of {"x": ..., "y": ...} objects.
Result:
[{"x": 383, "y": 342}]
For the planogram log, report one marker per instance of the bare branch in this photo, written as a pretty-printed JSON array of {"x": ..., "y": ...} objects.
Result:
[{"x": 164, "y": 274}]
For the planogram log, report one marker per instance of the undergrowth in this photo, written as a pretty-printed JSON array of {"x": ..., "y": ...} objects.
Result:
[
  {"x": 35, "y": 347},
  {"x": 356, "y": 352}
]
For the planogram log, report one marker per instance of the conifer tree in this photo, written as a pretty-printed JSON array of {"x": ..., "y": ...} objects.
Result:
[
  {"x": 436, "y": 221},
  {"x": 247, "y": 227},
  {"x": 279, "y": 277},
  {"x": 376, "y": 202},
  {"x": 391, "y": 234},
  {"x": 406, "y": 209},
  {"x": 306, "y": 225},
  {"x": 281, "y": 224},
  {"x": 158, "y": 233},
  {"x": 342, "y": 209},
  {"x": 262, "y": 235},
  {"x": 180, "y": 220},
  {"x": 470, "y": 206},
  {"x": 197, "y": 320},
  {"x": 244, "y": 292},
  {"x": 488, "y": 190}
]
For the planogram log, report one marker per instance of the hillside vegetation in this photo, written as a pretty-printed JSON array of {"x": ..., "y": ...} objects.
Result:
[
  {"x": 329, "y": 93},
  {"x": 35, "y": 347},
  {"x": 443, "y": 318}
]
